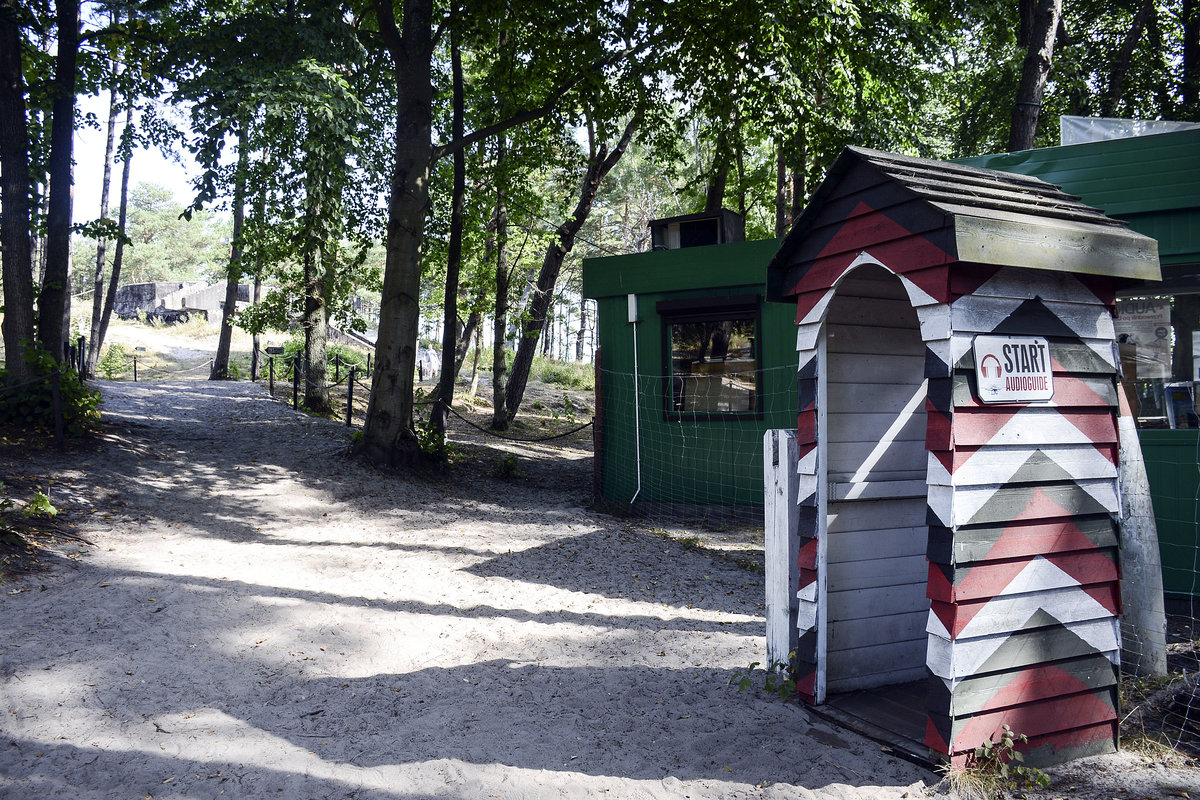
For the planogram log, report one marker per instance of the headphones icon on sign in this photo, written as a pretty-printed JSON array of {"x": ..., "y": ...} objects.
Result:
[{"x": 995, "y": 364}]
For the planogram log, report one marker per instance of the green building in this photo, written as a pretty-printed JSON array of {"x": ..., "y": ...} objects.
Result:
[
  {"x": 694, "y": 367},
  {"x": 1153, "y": 183}
]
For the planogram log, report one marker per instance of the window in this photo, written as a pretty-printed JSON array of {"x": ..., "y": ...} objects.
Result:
[{"x": 712, "y": 357}]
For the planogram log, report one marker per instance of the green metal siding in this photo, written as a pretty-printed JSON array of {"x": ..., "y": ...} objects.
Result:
[
  {"x": 1151, "y": 182},
  {"x": 719, "y": 265},
  {"x": 1173, "y": 467},
  {"x": 690, "y": 462}
]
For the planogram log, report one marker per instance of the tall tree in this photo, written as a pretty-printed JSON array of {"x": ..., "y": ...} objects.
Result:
[
  {"x": 220, "y": 365},
  {"x": 53, "y": 300},
  {"x": 15, "y": 239},
  {"x": 1039, "y": 56},
  {"x": 601, "y": 159}
]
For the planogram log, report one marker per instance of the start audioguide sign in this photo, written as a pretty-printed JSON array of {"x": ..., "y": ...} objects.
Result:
[{"x": 1013, "y": 369}]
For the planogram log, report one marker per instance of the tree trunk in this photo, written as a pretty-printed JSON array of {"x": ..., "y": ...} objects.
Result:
[
  {"x": 1034, "y": 72},
  {"x": 444, "y": 398},
  {"x": 53, "y": 302},
  {"x": 15, "y": 232},
  {"x": 316, "y": 330},
  {"x": 93, "y": 354},
  {"x": 255, "y": 339},
  {"x": 600, "y": 165},
  {"x": 475, "y": 360},
  {"x": 110, "y": 296},
  {"x": 464, "y": 342},
  {"x": 1116, "y": 80},
  {"x": 781, "y": 203},
  {"x": 388, "y": 436},
  {"x": 220, "y": 369},
  {"x": 500, "y": 329},
  {"x": 583, "y": 324}
]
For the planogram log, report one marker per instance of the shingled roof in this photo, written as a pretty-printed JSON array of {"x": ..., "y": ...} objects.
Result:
[{"x": 987, "y": 217}]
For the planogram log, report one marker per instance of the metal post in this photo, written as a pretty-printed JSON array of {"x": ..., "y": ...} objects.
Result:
[
  {"x": 135, "y": 369},
  {"x": 337, "y": 369},
  {"x": 271, "y": 373},
  {"x": 368, "y": 363},
  {"x": 82, "y": 357},
  {"x": 350, "y": 397},
  {"x": 296, "y": 382}
]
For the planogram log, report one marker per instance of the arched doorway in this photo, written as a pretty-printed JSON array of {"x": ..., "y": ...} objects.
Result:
[{"x": 874, "y": 502}]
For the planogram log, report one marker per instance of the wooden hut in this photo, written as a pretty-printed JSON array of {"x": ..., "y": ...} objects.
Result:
[
  {"x": 678, "y": 429},
  {"x": 957, "y": 440}
]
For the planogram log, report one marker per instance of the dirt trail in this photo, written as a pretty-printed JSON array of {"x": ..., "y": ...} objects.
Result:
[{"x": 261, "y": 616}]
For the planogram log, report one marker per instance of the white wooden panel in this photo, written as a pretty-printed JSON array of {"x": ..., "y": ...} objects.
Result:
[
  {"x": 852, "y": 398},
  {"x": 994, "y": 465},
  {"x": 875, "y": 427},
  {"x": 866, "y": 368},
  {"x": 865, "y": 284},
  {"x": 856, "y": 546},
  {"x": 891, "y": 460},
  {"x": 983, "y": 314},
  {"x": 970, "y": 500},
  {"x": 877, "y": 488},
  {"x": 867, "y": 517},
  {"x": 862, "y": 633},
  {"x": 875, "y": 666},
  {"x": 869, "y": 572},
  {"x": 871, "y": 427},
  {"x": 890, "y": 678},
  {"x": 858, "y": 604},
  {"x": 781, "y": 546},
  {"x": 960, "y": 346},
  {"x": 874, "y": 340},
  {"x": 1010, "y": 282},
  {"x": 870, "y": 311},
  {"x": 963, "y": 658}
]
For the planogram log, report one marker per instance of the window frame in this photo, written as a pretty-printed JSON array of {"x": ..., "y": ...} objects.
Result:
[{"x": 710, "y": 308}]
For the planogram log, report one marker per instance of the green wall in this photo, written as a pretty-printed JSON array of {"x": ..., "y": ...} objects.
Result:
[
  {"x": 1151, "y": 182},
  {"x": 691, "y": 462},
  {"x": 1171, "y": 465}
]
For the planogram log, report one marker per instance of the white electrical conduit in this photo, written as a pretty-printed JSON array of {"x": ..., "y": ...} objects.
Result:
[{"x": 637, "y": 405}]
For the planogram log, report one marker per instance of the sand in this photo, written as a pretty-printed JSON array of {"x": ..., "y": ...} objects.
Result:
[{"x": 258, "y": 615}]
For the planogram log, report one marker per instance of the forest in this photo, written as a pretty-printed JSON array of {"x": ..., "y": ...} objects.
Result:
[{"x": 458, "y": 159}]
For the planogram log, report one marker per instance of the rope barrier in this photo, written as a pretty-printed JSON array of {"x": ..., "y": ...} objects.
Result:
[
  {"x": 34, "y": 382},
  {"x": 514, "y": 438}
]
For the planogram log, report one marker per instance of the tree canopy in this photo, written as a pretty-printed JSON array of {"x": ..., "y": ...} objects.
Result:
[{"x": 458, "y": 157}]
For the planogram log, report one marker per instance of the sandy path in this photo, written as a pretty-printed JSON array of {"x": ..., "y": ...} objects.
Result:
[{"x": 261, "y": 616}]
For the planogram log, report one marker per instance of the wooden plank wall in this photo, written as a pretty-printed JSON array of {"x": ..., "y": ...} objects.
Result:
[
  {"x": 1023, "y": 575},
  {"x": 875, "y": 446}
]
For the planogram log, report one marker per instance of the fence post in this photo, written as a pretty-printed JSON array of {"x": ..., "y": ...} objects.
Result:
[
  {"x": 83, "y": 358},
  {"x": 337, "y": 369},
  {"x": 782, "y": 545},
  {"x": 271, "y": 374},
  {"x": 296, "y": 382},
  {"x": 368, "y": 363},
  {"x": 56, "y": 406},
  {"x": 135, "y": 369},
  {"x": 350, "y": 397}
]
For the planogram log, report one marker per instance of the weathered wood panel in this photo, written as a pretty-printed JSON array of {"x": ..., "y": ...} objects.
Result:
[
  {"x": 876, "y": 475},
  {"x": 1021, "y": 539},
  {"x": 1014, "y": 650},
  {"x": 977, "y": 427},
  {"x": 781, "y": 542},
  {"x": 1069, "y": 390},
  {"x": 878, "y": 572}
]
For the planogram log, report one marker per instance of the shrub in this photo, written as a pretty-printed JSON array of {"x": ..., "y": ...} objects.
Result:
[
  {"x": 31, "y": 406},
  {"x": 113, "y": 361},
  {"x": 567, "y": 374}
]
